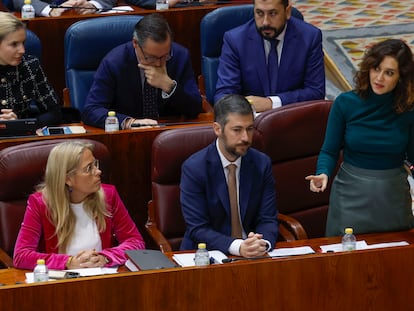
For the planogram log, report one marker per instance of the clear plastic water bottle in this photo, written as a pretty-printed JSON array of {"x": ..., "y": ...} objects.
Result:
[
  {"x": 349, "y": 240},
  {"x": 202, "y": 258},
  {"x": 111, "y": 122},
  {"x": 161, "y": 5},
  {"x": 41, "y": 272},
  {"x": 28, "y": 10}
]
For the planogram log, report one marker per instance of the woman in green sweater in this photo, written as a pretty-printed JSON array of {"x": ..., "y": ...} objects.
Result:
[{"x": 374, "y": 127}]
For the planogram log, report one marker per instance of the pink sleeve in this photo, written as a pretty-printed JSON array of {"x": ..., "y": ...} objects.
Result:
[
  {"x": 26, "y": 250},
  {"x": 123, "y": 227}
]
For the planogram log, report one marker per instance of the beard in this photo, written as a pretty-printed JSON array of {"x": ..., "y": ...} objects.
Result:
[
  {"x": 238, "y": 152},
  {"x": 262, "y": 31}
]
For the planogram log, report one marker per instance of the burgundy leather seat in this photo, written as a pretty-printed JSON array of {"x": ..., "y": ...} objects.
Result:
[
  {"x": 292, "y": 136},
  {"x": 165, "y": 221},
  {"x": 21, "y": 169}
]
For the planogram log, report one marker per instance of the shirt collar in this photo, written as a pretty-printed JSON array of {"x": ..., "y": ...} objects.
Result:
[{"x": 224, "y": 161}]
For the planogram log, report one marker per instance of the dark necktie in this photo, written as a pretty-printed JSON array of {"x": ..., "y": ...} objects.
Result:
[
  {"x": 150, "y": 107},
  {"x": 272, "y": 66},
  {"x": 236, "y": 230}
]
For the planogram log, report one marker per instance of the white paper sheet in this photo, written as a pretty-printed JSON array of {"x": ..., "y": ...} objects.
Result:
[
  {"x": 291, "y": 251},
  {"x": 118, "y": 9},
  {"x": 82, "y": 272},
  {"x": 361, "y": 245}
]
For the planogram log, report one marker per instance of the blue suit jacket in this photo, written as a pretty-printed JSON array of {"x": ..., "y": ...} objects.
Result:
[
  {"x": 117, "y": 86},
  {"x": 205, "y": 200},
  {"x": 242, "y": 67}
]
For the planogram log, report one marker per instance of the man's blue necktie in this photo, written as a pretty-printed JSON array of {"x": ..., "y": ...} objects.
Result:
[{"x": 272, "y": 66}]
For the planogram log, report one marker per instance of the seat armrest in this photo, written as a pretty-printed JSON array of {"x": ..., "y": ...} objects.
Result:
[
  {"x": 154, "y": 232},
  {"x": 5, "y": 260},
  {"x": 207, "y": 107},
  {"x": 66, "y": 97},
  {"x": 290, "y": 229}
]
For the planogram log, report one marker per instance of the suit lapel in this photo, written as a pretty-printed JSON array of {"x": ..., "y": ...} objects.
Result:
[
  {"x": 246, "y": 181},
  {"x": 291, "y": 43},
  {"x": 216, "y": 175},
  {"x": 261, "y": 68}
]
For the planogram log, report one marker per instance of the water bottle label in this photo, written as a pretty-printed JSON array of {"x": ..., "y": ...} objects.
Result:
[
  {"x": 161, "y": 5},
  {"x": 27, "y": 14},
  {"x": 111, "y": 124}
]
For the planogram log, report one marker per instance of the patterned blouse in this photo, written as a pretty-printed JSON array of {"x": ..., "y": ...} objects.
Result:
[{"x": 25, "y": 89}]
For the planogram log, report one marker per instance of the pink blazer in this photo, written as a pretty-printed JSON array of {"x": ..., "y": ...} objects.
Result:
[{"x": 37, "y": 237}]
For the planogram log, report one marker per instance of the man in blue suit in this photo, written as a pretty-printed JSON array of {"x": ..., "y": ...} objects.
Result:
[
  {"x": 206, "y": 200},
  {"x": 150, "y": 62},
  {"x": 297, "y": 75}
]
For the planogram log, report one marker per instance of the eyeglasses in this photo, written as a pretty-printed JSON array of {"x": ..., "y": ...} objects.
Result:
[
  {"x": 152, "y": 59},
  {"x": 91, "y": 168}
]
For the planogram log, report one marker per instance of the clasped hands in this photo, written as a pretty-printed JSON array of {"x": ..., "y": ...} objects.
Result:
[
  {"x": 253, "y": 246},
  {"x": 7, "y": 114},
  {"x": 86, "y": 259}
]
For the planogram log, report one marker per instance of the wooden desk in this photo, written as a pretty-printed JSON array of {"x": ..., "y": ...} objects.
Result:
[
  {"x": 378, "y": 279},
  {"x": 184, "y": 22},
  {"x": 130, "y": 165}
]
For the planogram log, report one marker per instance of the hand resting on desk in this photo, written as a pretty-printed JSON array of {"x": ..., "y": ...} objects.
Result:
[
  {"x": 253, "y": 246},
  {"x": 7, "y": 114}
]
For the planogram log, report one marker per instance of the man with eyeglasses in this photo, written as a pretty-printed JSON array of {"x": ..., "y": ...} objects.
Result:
[
  {"x": 274, "y": 59},
  {"x": 144, "y": 80}
]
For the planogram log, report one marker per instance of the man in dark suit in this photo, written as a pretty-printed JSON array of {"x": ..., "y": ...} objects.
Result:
[
  {"x": 245, "y": 65},
  {"x": 206, "y": 199},
  {"x": 144, "y": 80}
]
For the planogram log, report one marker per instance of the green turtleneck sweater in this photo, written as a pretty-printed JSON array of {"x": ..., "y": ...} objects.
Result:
[{"x": 371, "y": 134}]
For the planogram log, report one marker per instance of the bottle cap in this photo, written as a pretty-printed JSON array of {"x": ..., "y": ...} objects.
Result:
[
  {"x": 40, "y": 261},
  {"x": 349, "y": 230},
  {"x": 111, "y": 113},
  {"x": 27, "y": 1},
  {"x": 201, "y": 245}
]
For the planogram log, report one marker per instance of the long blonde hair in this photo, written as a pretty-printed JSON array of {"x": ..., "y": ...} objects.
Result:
[
  {"x": 8, "y": 24},
  {"x": 63, "y": 159}
]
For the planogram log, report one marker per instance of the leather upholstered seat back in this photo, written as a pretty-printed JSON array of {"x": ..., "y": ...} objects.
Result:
[
  {"x": 86, "y": 43},
  {"x": 292, "y": 136},
  {"x": 21, "y": 169}
]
